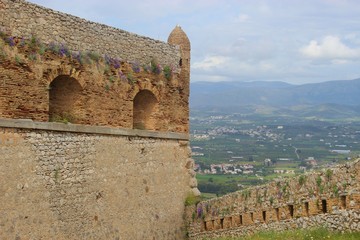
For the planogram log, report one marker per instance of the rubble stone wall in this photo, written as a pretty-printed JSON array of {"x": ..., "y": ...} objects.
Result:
[
  {"x": 43, "y": 79},
  {"x": 83, "y": 182},
  {"x": 22, "y": 19},
  {"x": 330, "y": 198}
]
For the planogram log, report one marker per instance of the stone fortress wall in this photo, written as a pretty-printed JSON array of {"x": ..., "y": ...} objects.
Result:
[
  {"x": 96, "y": 91},
  {"x": 330, "y": 199},
  {"x": 120, "y": 168},
  {"x": 85, "y": 182},
  {"x": 22, "y": 18}
]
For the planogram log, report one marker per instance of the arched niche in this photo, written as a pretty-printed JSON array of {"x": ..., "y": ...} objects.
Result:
[
  {"x": 145, "y": 107},
  {"x": 64, "y": 98}
]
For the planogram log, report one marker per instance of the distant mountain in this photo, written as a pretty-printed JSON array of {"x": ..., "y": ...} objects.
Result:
[{"x": 327, "y": 99}]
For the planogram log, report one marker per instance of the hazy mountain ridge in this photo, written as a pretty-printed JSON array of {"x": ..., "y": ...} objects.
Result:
[{"x": 327, "y": 99}]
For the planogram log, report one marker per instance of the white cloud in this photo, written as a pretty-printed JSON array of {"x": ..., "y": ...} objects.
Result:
[
  {"x": 330, "y": 48},
  {"x": 210, "y": 62}
]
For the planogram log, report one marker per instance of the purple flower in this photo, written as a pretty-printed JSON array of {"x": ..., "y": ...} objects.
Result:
[
  {"x": 11, "y": 41},
  {"x": 22, "y": 42},
  {"x": 116, "y": 63},
  {"x": 146, "y": 68},
  {"x": 199, "y": 211},
  {"x": 135, "y": 67},
  {"x": 107, "y": 59},
  {"x": 122, "y": 76},
  {"x": 63, "y": 50},
  {"x": 77, "y": 57}
]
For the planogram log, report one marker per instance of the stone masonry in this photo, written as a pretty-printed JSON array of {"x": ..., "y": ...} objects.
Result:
[
  {"x": 330, "y": 199},
  {"x": 94, "y": 126},
  {"x": 82, "y": 185}
]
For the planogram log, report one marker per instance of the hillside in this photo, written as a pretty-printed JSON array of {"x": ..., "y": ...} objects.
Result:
[{"x": 331, "y": 99}]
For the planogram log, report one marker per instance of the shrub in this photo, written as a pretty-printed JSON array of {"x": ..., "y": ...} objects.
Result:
[
  {"x": 167, "y": 72},
  {"x": 94, "y": 56},
  {"x": 155, "y": 67},
  {"x": 302, "y": 180},
  {"x": 191, "y": 199}
]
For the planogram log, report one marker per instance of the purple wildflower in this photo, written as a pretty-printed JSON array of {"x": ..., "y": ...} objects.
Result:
[
  {"x": 116, "y": 63},
  {"x": 135, "y": 67},
  {"x": 77, "y": 57},
  {"x": 199, "y": 211},
  {"x": 11, "y": 41},
  {"x": 107, "y": 59},
  {"x": 22, "y": 42},
  {"x": 122, "y": 76},
  {"x": 146, "y": 68},
  {"x": 63, "y": 50}
]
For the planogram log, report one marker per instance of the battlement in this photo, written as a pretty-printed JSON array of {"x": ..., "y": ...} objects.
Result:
[{"x": 329, "y": 198}]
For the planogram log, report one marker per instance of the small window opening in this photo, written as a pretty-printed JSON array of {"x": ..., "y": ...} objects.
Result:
[
  {"x": 264, "y": 216},
  {"x": 343, "y": 202},
  {"x": 222, "y": 223},
  {"x": 204, "y": 226},
  {"x": 277, "y": 214},
  {"x": 252, "y": 217},
  {"x": 241, "y": 220},
  {"x": 180, "y": 62},
  {"x": 324, "y": 206},
  {"x": 306, "y": 208},
  {"x": 291, "y": 210}
]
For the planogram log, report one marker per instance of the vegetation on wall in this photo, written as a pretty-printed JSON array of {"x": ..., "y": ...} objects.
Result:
[{"x": 113, "y": 67}]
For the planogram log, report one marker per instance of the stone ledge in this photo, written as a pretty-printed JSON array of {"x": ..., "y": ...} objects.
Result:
[{"x": 77, "y": 128}]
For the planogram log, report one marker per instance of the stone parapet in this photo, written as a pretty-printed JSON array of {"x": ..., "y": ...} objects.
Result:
[
  {"x": 78, "y": 128},
  {"x": 329, "y": 198}
]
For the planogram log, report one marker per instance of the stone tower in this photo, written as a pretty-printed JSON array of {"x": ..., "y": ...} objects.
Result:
[{"x": 178, "y": 37}]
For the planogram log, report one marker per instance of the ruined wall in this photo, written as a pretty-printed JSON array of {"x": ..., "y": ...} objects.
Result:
[
  {"x": 22, "y": 19},
  {"x": 95, "y": 93},
  {"x": 330, "y": 198},
  {"x": 95, "y": 177},
  {"x": 44, "y": 79},
  {"x": 72, "y": 181}
]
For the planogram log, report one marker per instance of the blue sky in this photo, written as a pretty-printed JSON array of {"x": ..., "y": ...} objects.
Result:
[{"x": 296, "y": 41}]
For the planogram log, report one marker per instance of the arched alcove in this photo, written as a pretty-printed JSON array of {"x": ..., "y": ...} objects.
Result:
[
  {"x": 64, "y": 96},
  {"x": 144, "y": 110}
]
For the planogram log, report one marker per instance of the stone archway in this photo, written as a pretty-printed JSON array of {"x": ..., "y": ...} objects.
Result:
[
  {"x": 64, "y": 98},
  {"x": 145, "y": 107}
]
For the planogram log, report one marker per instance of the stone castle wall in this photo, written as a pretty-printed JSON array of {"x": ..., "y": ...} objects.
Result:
[
  {"x": 330, "y": 198},
  {"x": 22, "y": 19},
  {"x": 120, "y": 167},
  {"x": 118, "y": 79},
  {"x": 72, "y": 181}
]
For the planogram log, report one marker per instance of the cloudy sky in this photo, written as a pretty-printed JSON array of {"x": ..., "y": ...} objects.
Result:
[{"x": 296, "y": 41}]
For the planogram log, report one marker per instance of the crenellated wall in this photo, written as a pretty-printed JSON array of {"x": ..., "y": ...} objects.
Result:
[{"x": 330, "y": 198}]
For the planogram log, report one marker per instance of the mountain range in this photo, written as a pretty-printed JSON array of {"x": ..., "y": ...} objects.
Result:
[{"x": 332, "y": 99}]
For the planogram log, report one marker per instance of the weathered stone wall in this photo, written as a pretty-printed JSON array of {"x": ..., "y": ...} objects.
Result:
[
  {"x": 330, "y": 198},
  {"x": 100, "y": 94},
  {"x": 22, "y": 19},
  {"x": 43, "y": 79},
  {"x": 74, "y": 184}
]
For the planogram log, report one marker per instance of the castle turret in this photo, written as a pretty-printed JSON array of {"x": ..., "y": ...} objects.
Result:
[{"x": 178, "y": 37}]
